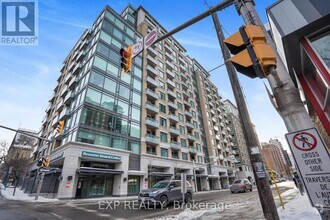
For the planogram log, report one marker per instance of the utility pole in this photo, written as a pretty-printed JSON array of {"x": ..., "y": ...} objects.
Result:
[{"x": 264, "y": 191}]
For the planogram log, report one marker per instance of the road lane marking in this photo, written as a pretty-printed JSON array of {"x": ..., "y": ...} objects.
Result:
[{"x": 60, "y": 217}]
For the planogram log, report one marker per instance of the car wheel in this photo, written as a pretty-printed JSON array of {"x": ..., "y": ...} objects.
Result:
[
  {"x": 244, "y": 190},
  {"x": 188, "y": 198},
  {"x": 163, "y": 201},
  {"x": 251, "y": 189},
  {"x": 232, "y": 191}
]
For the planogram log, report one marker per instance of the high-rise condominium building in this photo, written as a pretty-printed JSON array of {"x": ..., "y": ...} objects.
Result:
[
  {"x": 125, "y": 132},
  {"x": 240, "y": 148}
]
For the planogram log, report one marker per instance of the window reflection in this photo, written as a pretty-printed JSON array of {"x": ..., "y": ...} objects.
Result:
[{"x": 322, "y": 46}]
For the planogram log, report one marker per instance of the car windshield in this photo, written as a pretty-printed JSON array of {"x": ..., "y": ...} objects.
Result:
[
  {"x": 161, "y": 185},
  {"x": 237, "y": 181}
]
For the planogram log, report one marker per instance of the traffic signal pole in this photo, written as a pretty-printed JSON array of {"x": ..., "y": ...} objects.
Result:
[
  {"x": 264, "y": 191},
  {"x": 288, "y": 102}
]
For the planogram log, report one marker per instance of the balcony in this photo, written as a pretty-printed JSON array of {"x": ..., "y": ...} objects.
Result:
[
  {"x": 168, "y": 56},
  {"x": 52, "y": 97},
  {"x": 151, "y": 107},
  {"x": 171, "y": 93},
  {"x": 76, "y": 69},
  {"x": 68, "y": 98},
  {"x": 64, "y": 114},
  {"x": 151, "y": 94},
  {"x": 221, "y": 157},
  {"x": 59, "y": 106},
  {"x": 181, "y": 61},
  {"x": 81, "y": 55},
  {"x": 187, "y": 113},
  {"x": 169, "y": 65},
  {"x": 151, "y": 71},
  {"x": 67, "y": 79},
  {"x": 152, "y": 61},
  {"x": 64, "y": 90},
  {"x": 168, "y": 49},
  {"x": 174, "y": 130},
  {"x": 186, "y": 103},
  {"x": 73, "y": 83},
  {"x": 189, "y": 125},
  {"x": 182, "y": 68},
  {"x": 185, "y": 94},
  {"x": 217, "y": 137},
  {"x": 152, "y": 51},
  {"x": 175, "y": 145},
  {"x": 216, "y": 128},
  {"x": 173, "y": 117},
  {"x": 214, "y": 120},
  {"x": 183, "y": 77},
  {"x": 191, "y": 137},
  {"x": 170, "y": 75},
  {"x": 227, "y": 149},
  {"x": 208, "y": 88},
  {"x": 152, "y": 122},
  {"x": 235, "y": 152},
  {"x": 152, "y": 83},
  {"x": 192, "y": 150},
  {"x": 212, "y": 111},
  {"x": 170, "y": 84},
  {"x": 172, "y": 105},
  {"x": 152, "y": 139},
  {"x": 184, "y": 85}
]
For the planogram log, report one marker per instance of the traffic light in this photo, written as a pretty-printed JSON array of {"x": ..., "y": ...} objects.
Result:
[
  {"x": 126, "y": 59},
  {"x": 60, "y": 127},
  {"x": 253, "y": 56},
  {"x": 45, "y": 161}
]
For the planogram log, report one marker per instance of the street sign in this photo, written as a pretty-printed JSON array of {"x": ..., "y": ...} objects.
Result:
[
  {"x": 150, "y": 38},
  {"x": 313, "y": 163},
  {"x": 137, "y": 48}
]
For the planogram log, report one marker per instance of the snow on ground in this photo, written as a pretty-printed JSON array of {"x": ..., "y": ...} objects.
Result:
[
  {"x": 20, "y": 195},
  {"x": 298, "y": 208}
]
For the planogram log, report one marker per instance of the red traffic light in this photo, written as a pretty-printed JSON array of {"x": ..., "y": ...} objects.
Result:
[{"x": 123, "y": 52}]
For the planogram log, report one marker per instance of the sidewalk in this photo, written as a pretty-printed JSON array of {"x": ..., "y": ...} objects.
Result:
[{"x": 21, "y": 196}]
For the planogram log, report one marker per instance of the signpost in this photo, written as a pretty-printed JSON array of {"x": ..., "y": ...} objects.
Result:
[
  {"x": 313, "y": 163},
  {"x": 183, "y": 186},
  {"x": 150, "y": 38}
]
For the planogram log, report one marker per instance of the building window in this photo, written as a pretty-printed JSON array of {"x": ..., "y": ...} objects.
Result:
[
  {"x": 321, "y": 44},
  {"x": 110, "y": 85},
  {"x": 161, "y": 84},
  {"x": 164, "y": 152},
  {"x": 184, "y": 156},
  {"x": 124, "y": 92},
  {"x": 162, "y": 96},
  {"x": 97, "y": 79},
  {"x": 163, "y": 122},
  {"x": 162, "y": 108},
  {"x": 161, "y": 74},
  {"x": 180, "y": 106},
  {"x": 93, "y": 97},
  {"x": 163, "y": 137},
  {"x": 135, "y": 131},
  {"x": 181, "y": 117},
  {"x": 182, "y": 130},
  {"x": 183, "y": 142},
  {"x": 178, "y": 95},
  {"x": 136, "y": 114},
  {"x": 177, "y": 85}
]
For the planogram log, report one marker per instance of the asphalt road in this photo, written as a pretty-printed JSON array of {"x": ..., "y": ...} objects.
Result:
[{"x": 230, "y": 206}]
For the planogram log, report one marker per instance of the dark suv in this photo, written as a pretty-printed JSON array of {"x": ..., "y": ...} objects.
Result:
[{"x": 164, "y": 192}]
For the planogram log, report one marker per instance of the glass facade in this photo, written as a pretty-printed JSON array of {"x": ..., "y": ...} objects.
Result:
[{"x": 111, "y": 114}]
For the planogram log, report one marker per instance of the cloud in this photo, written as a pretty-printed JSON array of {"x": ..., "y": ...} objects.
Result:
[{"x": 198, "y": 43}]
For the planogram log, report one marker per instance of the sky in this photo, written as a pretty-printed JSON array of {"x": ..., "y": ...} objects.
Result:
[{"x": 29, "y": 73}]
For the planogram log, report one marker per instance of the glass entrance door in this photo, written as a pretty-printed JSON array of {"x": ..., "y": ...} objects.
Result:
[{"x": 133, "y": 185}]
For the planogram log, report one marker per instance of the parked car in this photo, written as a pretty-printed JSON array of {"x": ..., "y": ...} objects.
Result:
[
  {"x": 165, "y": 192},
  {"x": 241, "y": 186},
  {"x": 283, "y": 179}
]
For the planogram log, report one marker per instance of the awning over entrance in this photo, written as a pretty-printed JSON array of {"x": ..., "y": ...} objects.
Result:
[
  {"x": 213, "y": 176},
  {"x": 97, "y": 171},
  {"x": 136, "y": 173},
  {"x": 160, "y": 174},
  {"x": 201, "y": 175},
  {"x": 223, "y": 176}
]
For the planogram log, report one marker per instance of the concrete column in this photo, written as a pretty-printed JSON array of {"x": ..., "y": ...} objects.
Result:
[{"x": 67, "y": 188}]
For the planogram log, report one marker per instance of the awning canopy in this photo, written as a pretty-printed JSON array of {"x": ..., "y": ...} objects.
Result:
[
  {"x": 201, "y": 175},
  {"x": 136, "y": 173},
  {"x": 98, "y": 171},
  {"x": 160, "y": 174}
]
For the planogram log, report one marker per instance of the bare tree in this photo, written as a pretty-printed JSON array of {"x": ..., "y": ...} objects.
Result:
[{"x": 3, "y": 150}]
